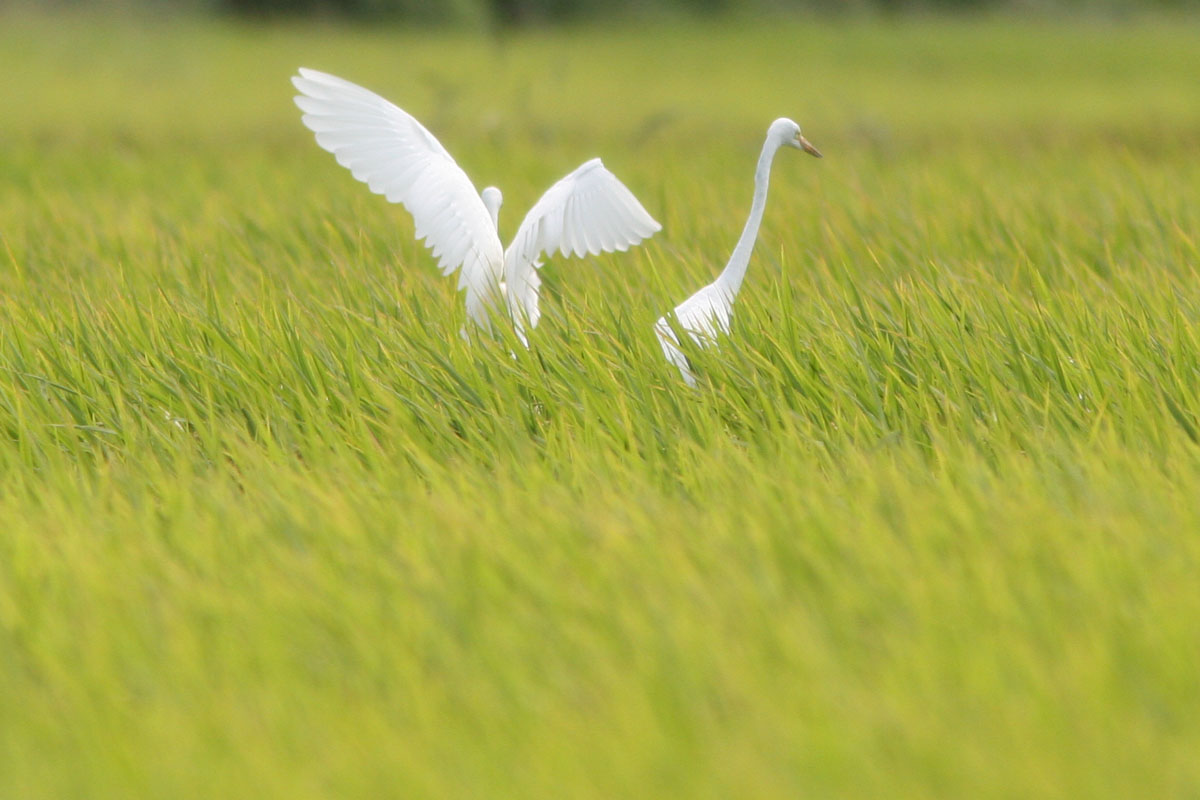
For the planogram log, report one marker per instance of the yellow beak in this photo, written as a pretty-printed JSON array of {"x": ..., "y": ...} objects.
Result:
[{"x": 807, "y": 147}]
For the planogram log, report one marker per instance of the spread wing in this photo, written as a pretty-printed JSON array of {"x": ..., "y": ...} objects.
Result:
[
  {"x": 589, "y": 211},
  {"x": 390, "y": 151}
]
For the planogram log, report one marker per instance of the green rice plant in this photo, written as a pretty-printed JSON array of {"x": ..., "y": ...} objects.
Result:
[{"x": 926, "y": 527}]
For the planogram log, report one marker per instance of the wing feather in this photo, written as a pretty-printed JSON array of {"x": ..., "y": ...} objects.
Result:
[
  {"x": 390, "y": 151},
  {"x": 588, "y": 211},
  {"x": 607, "y": 223}
]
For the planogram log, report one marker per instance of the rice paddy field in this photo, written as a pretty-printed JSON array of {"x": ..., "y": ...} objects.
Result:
[{"x": 928, "y": 527}]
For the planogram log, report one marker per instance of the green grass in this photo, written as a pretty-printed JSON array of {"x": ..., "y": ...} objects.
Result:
[{"x": 927, "y": 529}]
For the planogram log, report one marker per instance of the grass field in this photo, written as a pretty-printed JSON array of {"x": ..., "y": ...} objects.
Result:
[{"x": 928, "y": 528}]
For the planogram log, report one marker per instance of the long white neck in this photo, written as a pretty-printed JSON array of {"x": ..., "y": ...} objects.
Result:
[
  {"x": 492, "y": 200},
  {"x": 731, "y": 277}
]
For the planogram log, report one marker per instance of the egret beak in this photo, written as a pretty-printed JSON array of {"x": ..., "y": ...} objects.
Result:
[{"x": 807, "y": 147}]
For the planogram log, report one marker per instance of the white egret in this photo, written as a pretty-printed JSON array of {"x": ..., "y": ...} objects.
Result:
[
  {"x": 588, "y": 212},
  {"x": 706, "y": 313}
]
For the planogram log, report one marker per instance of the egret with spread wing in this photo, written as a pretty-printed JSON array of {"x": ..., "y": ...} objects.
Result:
[
  {"x": 708, "y": 311},
  {"x": 588, "y": 212}
]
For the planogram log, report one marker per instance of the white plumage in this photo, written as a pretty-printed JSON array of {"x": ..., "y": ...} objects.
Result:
[
  {"x": 707, "y": 313},
  {"x": 588, "y": 212},
  {"x": 703, "y": 316}
]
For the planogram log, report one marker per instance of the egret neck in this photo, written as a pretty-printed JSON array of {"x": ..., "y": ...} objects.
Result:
[
  {"x": 492, "y": 200},
  {"x": 730, "y": 279}
]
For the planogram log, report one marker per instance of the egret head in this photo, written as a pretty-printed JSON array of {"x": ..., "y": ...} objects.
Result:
[
  {"x": 492, "y": 200},
  {"x": 787, "y": 132}
]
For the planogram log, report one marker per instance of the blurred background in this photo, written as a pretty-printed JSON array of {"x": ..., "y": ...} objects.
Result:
[
  {"x": 533, "y": 12},
  {"x": 129, "y": 101}
]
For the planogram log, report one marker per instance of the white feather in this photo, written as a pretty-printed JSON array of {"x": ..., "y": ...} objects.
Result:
[
  {"x": 391, "y": 152},
  {"x": 588, "y": 211},
  {"x": 704, "y": 316}
]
